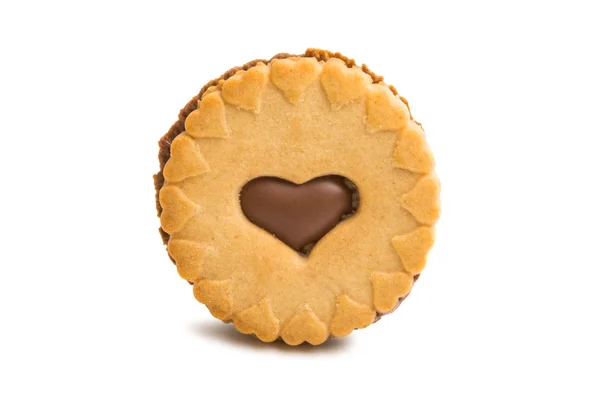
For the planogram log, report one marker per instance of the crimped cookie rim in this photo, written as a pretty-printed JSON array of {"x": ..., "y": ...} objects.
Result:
[{"x": 179, "y": 127}]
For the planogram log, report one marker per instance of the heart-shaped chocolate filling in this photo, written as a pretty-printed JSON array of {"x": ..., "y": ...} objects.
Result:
[{"x": 299, "y": 215}]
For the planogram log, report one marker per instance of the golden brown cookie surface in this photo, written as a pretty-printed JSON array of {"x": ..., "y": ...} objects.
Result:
[{"x": 299, "y": 118}]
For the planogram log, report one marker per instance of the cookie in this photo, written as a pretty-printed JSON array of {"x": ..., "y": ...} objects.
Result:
[{"x": 298, "y": 196}]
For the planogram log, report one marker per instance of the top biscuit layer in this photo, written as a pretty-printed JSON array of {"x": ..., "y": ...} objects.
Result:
[{"x": 299, "y": 118}]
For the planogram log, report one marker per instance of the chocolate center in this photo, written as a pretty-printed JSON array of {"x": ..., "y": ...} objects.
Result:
[{"x": 299, "y": 215}]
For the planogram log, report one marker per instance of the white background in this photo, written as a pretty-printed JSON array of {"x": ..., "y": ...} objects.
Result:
[{"x": 508, "y": 307}]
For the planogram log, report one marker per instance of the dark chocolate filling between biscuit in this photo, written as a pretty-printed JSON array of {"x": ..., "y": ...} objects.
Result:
[{"x": 299, "y": 215}]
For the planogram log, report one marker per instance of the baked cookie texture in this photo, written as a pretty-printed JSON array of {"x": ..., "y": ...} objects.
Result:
[{"x": 297, "y": 118}]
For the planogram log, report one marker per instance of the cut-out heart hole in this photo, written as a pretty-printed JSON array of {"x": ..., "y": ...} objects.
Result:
[{"x": 299, "y": 215}]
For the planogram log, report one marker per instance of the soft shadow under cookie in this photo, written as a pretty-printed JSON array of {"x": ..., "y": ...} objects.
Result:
[{"x": 226, "y": 333}]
